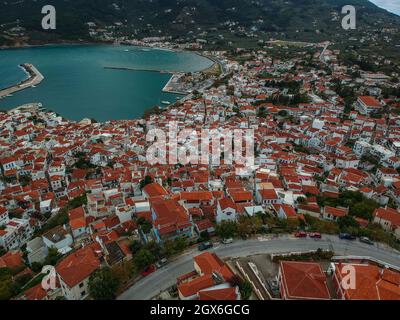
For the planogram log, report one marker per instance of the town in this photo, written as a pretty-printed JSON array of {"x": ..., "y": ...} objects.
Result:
[{"x": 323, "y": 192}]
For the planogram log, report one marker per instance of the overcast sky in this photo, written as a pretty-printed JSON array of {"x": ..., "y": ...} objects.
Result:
[{"x": 390, "y": 5}]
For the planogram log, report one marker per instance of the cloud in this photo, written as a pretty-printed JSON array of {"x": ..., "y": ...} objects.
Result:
[{"x": 389, "y": 5}]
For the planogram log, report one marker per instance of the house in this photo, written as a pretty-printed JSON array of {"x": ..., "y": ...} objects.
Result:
[
  {"x": 302, "y": 281},
  {"x": 11, "y": 260},
  {"x": 77, "y": 222},
  {"x": 367, "y": 105},
  {"x": 16, "y": 233},
  {"x": 37, "y": 250},
  {"x": 267, "y": 197},
  {"x": 226, "y": 210},
  {"x": 74, "y": 271},
  {"x": 389, "y": 219},
  {"x": 170, "y": 220},
  {"x": 4, "y": 218},
  {"x": 154, "y": 190},
  {"x": 196, "y": 199},
  {"x": 58, "y": 238},
  {"x": 285, "y": 211},
  {"x": 211, "y": 280},
  {"x": 333, "y": 214},
  {"x": 372, "y": 282}
]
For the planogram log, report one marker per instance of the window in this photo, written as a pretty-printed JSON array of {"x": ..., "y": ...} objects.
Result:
[
  {"x": 81, "y": 285},
  {"x": 83, "y": 293}
]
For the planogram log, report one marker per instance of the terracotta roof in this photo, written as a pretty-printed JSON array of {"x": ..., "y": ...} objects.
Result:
[
  {"x": 304, "y": 280},
  {"x": 372, "y": 283},
  {"x": 78, "y": 266},
  {"x": 155, "y": 190},
  {"x": 388, "y": 214},
  {"x": 219, "y": 294}
]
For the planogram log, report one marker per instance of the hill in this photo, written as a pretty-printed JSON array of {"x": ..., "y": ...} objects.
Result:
[{"x": 219, "y": 21}]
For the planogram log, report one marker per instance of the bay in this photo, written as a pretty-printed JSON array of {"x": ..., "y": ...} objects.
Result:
[{"x": 77, "y": 85}]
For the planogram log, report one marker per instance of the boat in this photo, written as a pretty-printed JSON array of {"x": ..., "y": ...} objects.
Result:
[
  {"x": 126, "y": 50},
  {"x": 166, "y": 102}
]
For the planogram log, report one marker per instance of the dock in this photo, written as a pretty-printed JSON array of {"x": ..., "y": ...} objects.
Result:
[
  {"x": 35, "y": 78},
  {"x": 140, "y": 70}
]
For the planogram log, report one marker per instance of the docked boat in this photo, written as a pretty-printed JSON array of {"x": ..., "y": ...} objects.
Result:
[{"x": 166, "y": 102}]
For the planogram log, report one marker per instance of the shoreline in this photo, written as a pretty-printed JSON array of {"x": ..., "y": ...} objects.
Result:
[
  {"x": 34, "y": 78},
  {"x": 140, "y": 46}
]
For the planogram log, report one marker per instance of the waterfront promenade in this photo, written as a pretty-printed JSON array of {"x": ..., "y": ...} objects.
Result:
[{"x": 35, "y": 77}]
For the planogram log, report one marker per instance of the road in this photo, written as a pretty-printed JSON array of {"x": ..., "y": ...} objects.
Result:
[{"x": 164, "y": 278}]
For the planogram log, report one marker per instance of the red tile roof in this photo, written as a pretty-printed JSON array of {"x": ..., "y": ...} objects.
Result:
[
  {"x": 304, "y": 280},
  {"x": 372, "y": 283},
  {"x": 78, "y": 266}
]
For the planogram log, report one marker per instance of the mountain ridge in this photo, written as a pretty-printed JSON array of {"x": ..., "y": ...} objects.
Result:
[{"x": 192, "y": 19}]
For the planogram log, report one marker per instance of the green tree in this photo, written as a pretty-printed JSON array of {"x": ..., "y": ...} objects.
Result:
[
  {"x": 53, "y": 257},
  {"x": 145, "y": 225},
  {"x": 226, "y": 229},
  {"x": 147, "y": 180},
  {"x": 135, "y": 246},
  {"x": 245, "y": 290},
  {"x": 103, "y": 284},
  {"x": 144, "y": 258}
]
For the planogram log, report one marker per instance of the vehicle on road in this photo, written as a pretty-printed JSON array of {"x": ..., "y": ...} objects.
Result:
[
  {"x": 161, "y": 263},
  {"x": 204, "y": 246},
  {"x": 315, "y": 235},
  {"x": 347, "y": 236},
  {"x": 300, "y": 234},
  {"x": 366, "y": 240},
  {"x": 149, "y": 270},
  {"x": 227, "y": 241}
]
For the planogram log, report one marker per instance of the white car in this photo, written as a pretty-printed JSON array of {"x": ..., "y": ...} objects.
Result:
[{"x": 227, "y": 241}]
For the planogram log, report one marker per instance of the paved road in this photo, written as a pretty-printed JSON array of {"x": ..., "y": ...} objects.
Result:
[{"x": 164, "y": 278}]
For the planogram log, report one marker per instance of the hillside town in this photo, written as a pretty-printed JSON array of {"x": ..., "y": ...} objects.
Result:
[{"x": 82, "y": 197}]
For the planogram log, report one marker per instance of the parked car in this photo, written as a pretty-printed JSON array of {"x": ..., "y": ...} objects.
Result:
[
  {"x": 315, "y": 235},
  {"x": 227, "y": 241},
  {"x": 161, "y": 263},
  {"x": 204, "y": 246},
  {"x": 300, "y": 234},
  {"x": 347, "y": 236},
  {"x": 366, "y": 240},
  {"x": 149, "y": 270}
]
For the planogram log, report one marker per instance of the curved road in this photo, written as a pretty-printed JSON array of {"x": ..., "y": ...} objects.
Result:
[{"x": 164, "y": 278}]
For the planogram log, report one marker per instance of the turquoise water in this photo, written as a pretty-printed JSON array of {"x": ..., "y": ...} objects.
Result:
[{"x": 77, "y": 85}]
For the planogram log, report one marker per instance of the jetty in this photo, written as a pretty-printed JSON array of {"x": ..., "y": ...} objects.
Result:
[
  {"x": 34, "y": 78},
  {"x": 140, "y": 70}
]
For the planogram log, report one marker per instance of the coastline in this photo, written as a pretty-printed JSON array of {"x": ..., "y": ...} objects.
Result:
[
  {"x": 34, "y": 78},
  {"x": 165, "y": 89}
]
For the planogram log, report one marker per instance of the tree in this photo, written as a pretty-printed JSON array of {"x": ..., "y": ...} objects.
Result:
[
  {"x": 103, "y": 284},
  {"x": 135, "y": 246},
  {"x": 145, "y": 225},
  {"x": 147, "y": 180},
  {"x": 226, "y": 229},
  {"x": 283, "y": 113},
  {"x": 245, "y": 290},
  {"x": 347, "y": 222},
  {"x": 144, "y": 258},
  {"x": 53, "y": 257}
]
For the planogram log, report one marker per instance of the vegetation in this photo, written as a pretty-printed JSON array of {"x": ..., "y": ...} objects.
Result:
[
  {"x": 103, "y": 284},
  {"x": 319, "y": 255},
  {"x": 358, "y": 204}
]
